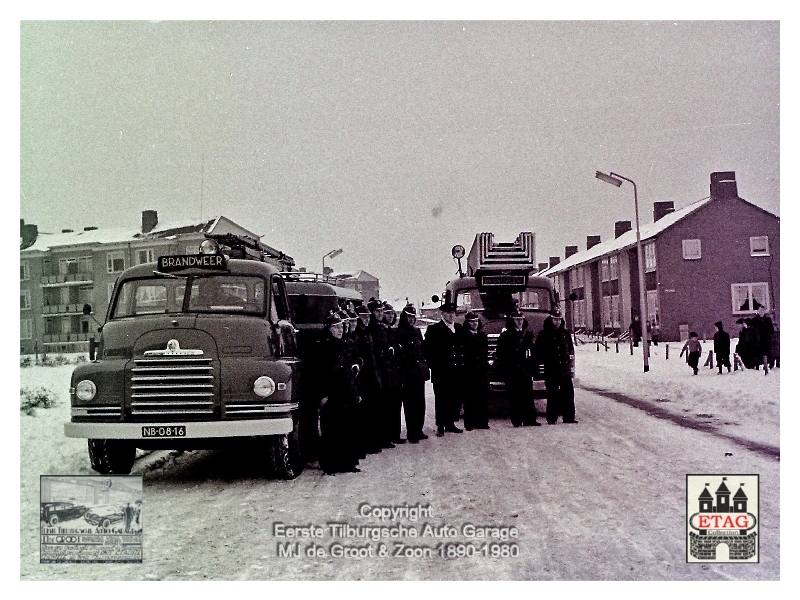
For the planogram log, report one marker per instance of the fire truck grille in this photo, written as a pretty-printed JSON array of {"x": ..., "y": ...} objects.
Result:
[{"x": 168, "y": 387}]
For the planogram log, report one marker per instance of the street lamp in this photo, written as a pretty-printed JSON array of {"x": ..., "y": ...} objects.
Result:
[
  {"x": 616, "y": 179},
  {"x": 331, "y": 254}
]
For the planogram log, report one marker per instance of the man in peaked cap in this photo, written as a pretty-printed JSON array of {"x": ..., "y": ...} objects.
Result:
[
  {"x": 414, "y": 372},
  {"x": 554, "y": 348},
  {"x": 473, "y": 349},
  {"x": 439, "y": 347},
  {"x": 514, "y": 349}
]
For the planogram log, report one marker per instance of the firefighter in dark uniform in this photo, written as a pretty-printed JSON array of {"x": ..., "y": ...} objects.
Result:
[
  {"x": 473, "y": 348},
  {"x": 439, "y": 347},
  {"x": 369, "y": 383},
  {"x": 414, "y": 371},
  {"x": 514, "y": 351},
  {"x": 337, "y": 377},
  {"x": 392, "y": 378},
  {"x": 555, "y": 349}
]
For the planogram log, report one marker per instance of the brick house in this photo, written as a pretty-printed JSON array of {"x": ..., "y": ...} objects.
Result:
[{"x": 717, "y": 259}]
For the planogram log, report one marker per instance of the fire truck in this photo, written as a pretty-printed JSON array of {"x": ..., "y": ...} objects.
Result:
[
  {"x": 197, "y": 351},
  {"x": 499, "y": 277}
]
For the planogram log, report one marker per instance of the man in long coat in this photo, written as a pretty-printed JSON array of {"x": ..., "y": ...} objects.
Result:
[
  {"x": 440, "y": 351},
  {"x": 555, "y": 349}
]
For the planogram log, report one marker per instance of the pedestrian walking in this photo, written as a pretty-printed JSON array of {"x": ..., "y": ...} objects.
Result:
[
  {"x": 473, "y": 349},
  {"x": 554, "y": 348},
  {"x": 748, "y": 347},
  {"x": 636, "y": 331},
  {"x": 337, "y": 376},
  {"x": 415, "y": 373},
  {"x": 128, "y": 515},
  {"x": 693, "y": 349},
  {"x": 515, "y": 347},
  {"x": 763, "y": 324},
  {"x": 440, "y": 352},
  {"x": 722, "y": 347}
]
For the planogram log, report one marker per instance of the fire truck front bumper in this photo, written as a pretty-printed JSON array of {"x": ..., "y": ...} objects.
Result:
[{"x": 205, "y": 429}]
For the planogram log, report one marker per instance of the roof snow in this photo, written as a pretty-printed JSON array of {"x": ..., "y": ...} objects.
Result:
[
  {"x": 628, "y": 238},
  {"x": 117, "y": 235}
]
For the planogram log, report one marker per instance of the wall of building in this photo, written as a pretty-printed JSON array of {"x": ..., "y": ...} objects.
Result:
[{"x": 698, "y": 292}]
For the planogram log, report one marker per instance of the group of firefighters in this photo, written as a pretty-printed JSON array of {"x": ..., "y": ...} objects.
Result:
[{"x": 371, "y": 364}]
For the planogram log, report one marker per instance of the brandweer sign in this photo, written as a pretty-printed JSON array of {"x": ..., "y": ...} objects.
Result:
[{"x": 189, "y": 261}]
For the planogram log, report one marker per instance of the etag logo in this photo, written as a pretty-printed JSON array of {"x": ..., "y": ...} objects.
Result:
[{"x": 722, "y": 518}]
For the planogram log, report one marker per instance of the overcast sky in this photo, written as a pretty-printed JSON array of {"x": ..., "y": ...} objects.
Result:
[{"x": 393, "y": 140}]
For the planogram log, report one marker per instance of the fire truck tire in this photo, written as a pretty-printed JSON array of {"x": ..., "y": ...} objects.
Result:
[
  {"x": 53, "y": 520},
  {"x": 286, "y": 453},
  {"x": 111, "y": 456}
]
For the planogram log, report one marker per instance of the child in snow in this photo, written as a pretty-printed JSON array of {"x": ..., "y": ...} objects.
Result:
[{"x": 694, "y": 349}]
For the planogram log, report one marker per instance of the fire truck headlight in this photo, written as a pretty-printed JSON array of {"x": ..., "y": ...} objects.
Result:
[
  {"x": 264, "y": 386},
  {"x": 86, "y": 390},
  {"x": 209, "y": 247}
]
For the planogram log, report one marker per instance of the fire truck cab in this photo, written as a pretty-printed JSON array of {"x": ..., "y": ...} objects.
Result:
[
  {"x": 196, "y": 351},
  {"x": 499, "y": 278}
]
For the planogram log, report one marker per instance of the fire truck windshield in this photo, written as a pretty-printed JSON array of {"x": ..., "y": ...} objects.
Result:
[
  {"x": 239, "y": 294},
  {"x": 502, "y": 301}
]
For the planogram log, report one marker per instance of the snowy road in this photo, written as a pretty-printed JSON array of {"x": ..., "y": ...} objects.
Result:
[{"x": 601, "y": 500}]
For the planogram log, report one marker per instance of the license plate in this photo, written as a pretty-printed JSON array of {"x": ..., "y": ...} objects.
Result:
[{"x": 161, "y": 431}]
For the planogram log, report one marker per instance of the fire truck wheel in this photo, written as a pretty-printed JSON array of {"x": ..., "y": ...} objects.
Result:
[
  {"x": 286, "y": 453},
  {"x": 111, "y": 456},
  {"x": 53, "y": 520},
  {"x": 106, "y": 523}
]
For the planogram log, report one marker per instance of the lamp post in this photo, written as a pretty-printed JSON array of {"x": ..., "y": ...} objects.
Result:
[
  {"x": 331, "y": 254},
  {"x": 616, "y": 179}
]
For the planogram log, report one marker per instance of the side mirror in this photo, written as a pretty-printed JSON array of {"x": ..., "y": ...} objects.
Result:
[
  {"x": 87, "y": 309},
  {"x": 573, "y": 296},
  {"x": 435, "y": 298}
]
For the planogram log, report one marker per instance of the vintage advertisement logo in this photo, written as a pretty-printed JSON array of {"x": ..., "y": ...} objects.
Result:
[
  {"x": 90, "y": 518},
  {"x": 722, "y": 519}
]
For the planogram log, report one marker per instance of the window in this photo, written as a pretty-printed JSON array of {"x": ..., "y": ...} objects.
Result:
[
  {"x": 747, "y": 297},
  {"x": 691, "y": 249},
  {"x": 25, "y": 329},
  {"x": 115, "y": 261},
  {"x": 24, "y": 271},
  {"x": 652, "y": 307},
  {"x": 650, "y": 257},
  {"x": 613, "y": 266},
  {"x": 145, "y": 256},
  {"x": 759, "y": 245},
  {"x": 24, "y": 299}
]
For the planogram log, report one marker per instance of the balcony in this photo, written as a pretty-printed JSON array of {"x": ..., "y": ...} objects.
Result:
[
  {"x": 66, "y": 338},
  {"x": 62, "y": 309},
  {"x": 63, "y": 279}
]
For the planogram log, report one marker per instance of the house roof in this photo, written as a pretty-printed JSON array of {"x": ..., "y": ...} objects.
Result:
[
  {"x": 117, "y": 235},
  {"x": 358, "y": 275},
  {"x": 167, "y": 230},
  {"x": 648, "y": 231}
]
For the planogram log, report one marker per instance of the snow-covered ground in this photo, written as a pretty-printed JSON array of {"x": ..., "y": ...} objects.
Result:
[
  {"x": 574, "y": 491},
  {"x": 744, "y": 404}
]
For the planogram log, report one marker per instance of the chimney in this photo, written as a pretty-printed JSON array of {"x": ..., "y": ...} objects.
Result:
[
  {"x": 621, "y": 227},
  {"x": 569, "y": 251},
  {"x": 66, "y": 231},
  {"x": 149, "y": 220},
  {"x": 662, "y": 209},
  {"x": 592, "y": 240},
  {"x": 27, "y": 234},
  {"x": 723, "y": 185},
  {"x": 90, "y": 228},
  {"x": 554, "y": 260},
  {"x": 543, "y": 266}
]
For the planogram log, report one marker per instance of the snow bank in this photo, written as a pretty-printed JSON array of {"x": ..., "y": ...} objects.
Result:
[{"x": 745, "y": 404}]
